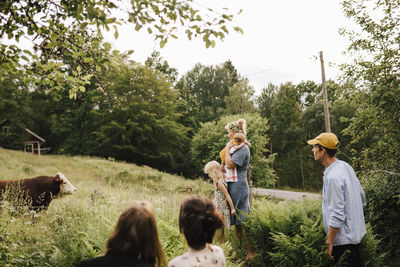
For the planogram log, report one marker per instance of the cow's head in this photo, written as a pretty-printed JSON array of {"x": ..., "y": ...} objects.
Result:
[{"x": 65, "y": 186}]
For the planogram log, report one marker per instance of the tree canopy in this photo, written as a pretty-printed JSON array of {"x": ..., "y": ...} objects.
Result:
[
  {"x": 375, "y": 127},
  {"x": 72, "y": 29}
]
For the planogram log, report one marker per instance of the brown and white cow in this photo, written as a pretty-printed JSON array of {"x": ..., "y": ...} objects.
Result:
[{"x": 39, "y": 191}]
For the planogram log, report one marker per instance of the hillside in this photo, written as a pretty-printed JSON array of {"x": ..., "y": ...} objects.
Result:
[{"x": 77, "y": 226}]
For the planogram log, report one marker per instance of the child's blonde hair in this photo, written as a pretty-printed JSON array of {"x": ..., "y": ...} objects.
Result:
[
  {"x": 238, "y": 126},
  {"x": 213, "y": 169},
  {"x": 239, "y": 138}
]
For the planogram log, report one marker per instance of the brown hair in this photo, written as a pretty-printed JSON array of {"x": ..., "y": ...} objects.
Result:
[
  {"x": 198, "y": 220},
  {"x": 331, "y": 152},
  {"x": 136, "y": 234},
  {"x": 239, "y": 137}
]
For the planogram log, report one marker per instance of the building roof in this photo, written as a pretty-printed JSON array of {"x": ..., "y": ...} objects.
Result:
[
  {"x": 35, "y": 135},
  {"x": 4, "y": 122}
]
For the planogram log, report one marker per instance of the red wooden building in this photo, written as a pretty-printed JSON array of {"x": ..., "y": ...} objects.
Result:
[{"x": 33, "y": 145}]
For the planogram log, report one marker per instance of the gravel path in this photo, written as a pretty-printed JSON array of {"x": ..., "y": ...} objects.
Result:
[{"x": 288, "y": 195}]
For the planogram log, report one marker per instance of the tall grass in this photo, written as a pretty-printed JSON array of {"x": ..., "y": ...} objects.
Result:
[{"x": 76, "y": 227}]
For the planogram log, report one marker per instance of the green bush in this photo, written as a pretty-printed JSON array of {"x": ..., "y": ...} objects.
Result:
[
  {"x": 212, "y": 138},
  {"x": 382, "y": 191},
  {"x": 292, "y": 234}
]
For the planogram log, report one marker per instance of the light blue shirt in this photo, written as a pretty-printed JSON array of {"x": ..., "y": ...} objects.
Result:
[{"x": 342, "y": 203}]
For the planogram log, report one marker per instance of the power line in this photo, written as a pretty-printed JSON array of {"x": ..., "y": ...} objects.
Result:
[{"x": 261, "y": 71}]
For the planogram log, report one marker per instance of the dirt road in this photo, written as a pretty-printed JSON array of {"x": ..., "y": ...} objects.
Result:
[{"x": 287, "y": 195}]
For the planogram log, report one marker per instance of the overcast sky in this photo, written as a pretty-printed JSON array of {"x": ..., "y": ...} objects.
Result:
[{"x": 281, "y": 41}]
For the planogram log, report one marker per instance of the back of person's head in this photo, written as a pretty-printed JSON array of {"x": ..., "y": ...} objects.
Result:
[
  {"x": 239, "y": 138},
  {"x": 136, "y": 234},
  {"x": 198, "y": 220},
  {"x": 213, "y": 169}
]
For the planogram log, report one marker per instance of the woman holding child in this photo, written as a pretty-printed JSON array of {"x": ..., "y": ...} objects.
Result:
[{"x": 236, "y": 158}]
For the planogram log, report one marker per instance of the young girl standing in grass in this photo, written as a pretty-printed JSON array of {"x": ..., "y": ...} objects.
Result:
[
  {"x": 222, "y": 200},
  {"x": 198, "y": 221}
]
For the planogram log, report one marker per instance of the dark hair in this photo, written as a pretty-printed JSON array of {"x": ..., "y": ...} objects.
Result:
[
  {"x": 136, "y": 234},
  {"x": 331, "y": 152},
  {"x": 198, "y": 220}
]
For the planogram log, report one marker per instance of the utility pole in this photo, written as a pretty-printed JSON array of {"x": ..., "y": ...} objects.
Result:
[{"x": 325, "y": 95}]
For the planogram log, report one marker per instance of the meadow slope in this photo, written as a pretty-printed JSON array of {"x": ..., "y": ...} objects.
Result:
[{"x": 77, "y": 226}]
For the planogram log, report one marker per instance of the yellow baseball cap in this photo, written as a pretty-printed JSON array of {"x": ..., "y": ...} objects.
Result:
[{"x": 328, "y": 140}]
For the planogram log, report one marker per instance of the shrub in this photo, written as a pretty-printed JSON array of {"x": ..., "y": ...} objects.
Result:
[
  {"x": 212, "y": 138},
  {"x": 292, "y": 234},
  {"x": 382, "y": 191}
]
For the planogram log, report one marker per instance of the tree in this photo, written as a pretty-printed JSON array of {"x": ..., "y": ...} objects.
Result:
[
  {"x": 375, "y": 127},
  {"x": 64, "y": 28},
  {"x": 142, "y": 126},
  {"x": 266, "y": 99},
  {"x": 296, "y": 114},
  {"x": 240, "y": 98},
  {"x": 155, "y": 61},
  {"x": 203, "y": 90},
  {"x": 15, "y": 111},
  {"x": 74, "y": 121},
  {"x": 212, "y": 137}
]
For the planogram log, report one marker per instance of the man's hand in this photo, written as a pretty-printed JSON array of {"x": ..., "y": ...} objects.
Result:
[
  {"x": 332, "y": 232},
  {"x": 329, "y": 248}
]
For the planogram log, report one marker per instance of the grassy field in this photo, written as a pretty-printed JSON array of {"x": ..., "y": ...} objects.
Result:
[{"x": 77, "y": 226}]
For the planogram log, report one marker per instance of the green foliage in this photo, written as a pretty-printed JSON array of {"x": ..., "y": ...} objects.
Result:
[
  {"x": 66, "y": 29},
  {"x": 77, "y": 227},
  {"x": 203, "y": 90},
  {"x": 382, "y": 191},
  {"x": 286, "y": 133},
  {"x": 296, "y": 114},
  {"x": 292, "y": 234},
  {"x": 240, "y": 98},
  {"x": 135, "y": 120},
  {"x": 16, "y": 113},
  {"x": 374, "y": 128},
  {"x": 155, "y": 61},
  {"x": 266, "y": 100},
  {"x": 212, "y": 137},
  {"x": 143, "y": 126}
]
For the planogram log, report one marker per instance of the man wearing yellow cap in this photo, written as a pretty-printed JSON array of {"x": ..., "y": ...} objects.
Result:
[{"x": 342, "y": 201}]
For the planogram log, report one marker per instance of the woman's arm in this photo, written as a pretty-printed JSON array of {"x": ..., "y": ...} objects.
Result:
[
  {"x": 228, "y": 160},
  {"x": 228, "y": 197}
]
